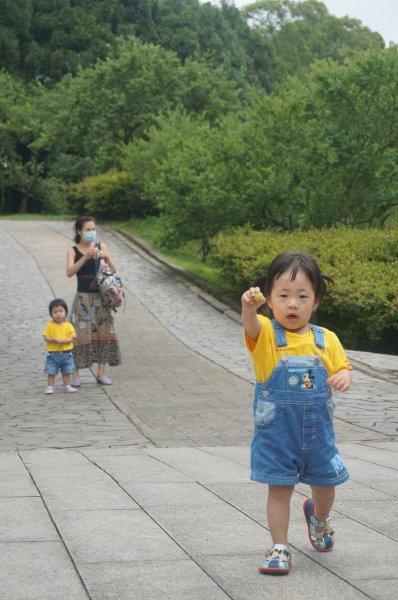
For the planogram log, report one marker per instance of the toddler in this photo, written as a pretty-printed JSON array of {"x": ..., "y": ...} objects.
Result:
[
  {"x": 297, "y": 366},
  {"x": 59, "y": 335}
]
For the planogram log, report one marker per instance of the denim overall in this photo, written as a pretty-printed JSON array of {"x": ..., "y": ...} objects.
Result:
[{"x": 294, "y": 439}]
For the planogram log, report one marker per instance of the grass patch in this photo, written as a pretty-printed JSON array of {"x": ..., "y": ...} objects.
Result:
[{"x": 37, "y": 217}]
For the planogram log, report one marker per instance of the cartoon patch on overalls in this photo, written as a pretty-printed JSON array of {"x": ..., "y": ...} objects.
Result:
[{"x": 307, "y": 380}]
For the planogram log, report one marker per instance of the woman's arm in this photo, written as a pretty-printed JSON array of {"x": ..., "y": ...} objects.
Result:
[{"x": 73, "y": 267}]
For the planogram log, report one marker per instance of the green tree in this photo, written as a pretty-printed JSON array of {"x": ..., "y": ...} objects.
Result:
[
  {"x": 302, "y": 32},
  {"x": 90, "y": 118},
  {"x": 14, "y": 34},
  {"x": 324, "y": 151},
  {"x": 182, "y": 170},
  {"x": 99, "y": 111},
  {"x": 21, "y": 185}
]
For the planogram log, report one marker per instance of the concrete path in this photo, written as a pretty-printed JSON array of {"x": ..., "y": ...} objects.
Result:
[{"x": 141, "y": 490}]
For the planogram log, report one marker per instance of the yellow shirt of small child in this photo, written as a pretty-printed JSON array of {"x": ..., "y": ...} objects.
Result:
[{"x": 59, "y": 331}]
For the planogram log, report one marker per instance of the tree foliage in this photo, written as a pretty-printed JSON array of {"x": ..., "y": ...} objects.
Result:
[
  {"x": 320, "y": 152},
  {"x": 301, "y": 32},
  {"x": 47, "y": 39}
]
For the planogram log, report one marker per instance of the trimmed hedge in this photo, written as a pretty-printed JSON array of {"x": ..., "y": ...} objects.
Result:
[{"x": 361, "y": 306}]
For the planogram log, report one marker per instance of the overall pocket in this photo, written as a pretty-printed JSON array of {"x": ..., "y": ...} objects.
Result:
[{"x": 265, "y": 414}]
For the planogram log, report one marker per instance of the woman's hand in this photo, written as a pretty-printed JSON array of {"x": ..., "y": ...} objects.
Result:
[
  {"x": 93, "y": 252},
  {"x": 104, "y": 254}
]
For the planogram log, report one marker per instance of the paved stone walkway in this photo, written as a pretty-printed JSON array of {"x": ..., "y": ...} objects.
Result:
[{"x": 141, "y": 490}]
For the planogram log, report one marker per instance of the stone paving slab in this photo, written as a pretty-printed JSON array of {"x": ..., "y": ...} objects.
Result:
[
  {"x": 25, "y": 519},
  {"x": 38, "y": 571},
  {"x": 168, "y": 580}
]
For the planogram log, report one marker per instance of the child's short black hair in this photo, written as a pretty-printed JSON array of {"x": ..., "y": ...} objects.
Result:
[
  {"x": 57, "y": 302},
  {"x": 294, "y": 262}
]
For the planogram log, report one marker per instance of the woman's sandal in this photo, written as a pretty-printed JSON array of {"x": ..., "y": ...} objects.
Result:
[{"x": 104, "y": 380}]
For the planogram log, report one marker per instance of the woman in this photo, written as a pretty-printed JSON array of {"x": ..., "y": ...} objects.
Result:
[{"x": 96, "y": 340}]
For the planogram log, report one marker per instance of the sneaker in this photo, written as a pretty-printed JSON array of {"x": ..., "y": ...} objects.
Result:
[
  {"x": 277, "y": 560},
  {"x": 104, "y": 380},
  {"x": 68, "y": 389},
  {"x": 75, "y": 381},
  {"x": 322, "y": 540},
  {"x": 50, "y": 389}
]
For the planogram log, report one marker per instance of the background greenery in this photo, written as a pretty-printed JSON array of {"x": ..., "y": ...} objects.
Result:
[{"x": 279, "y": 119}]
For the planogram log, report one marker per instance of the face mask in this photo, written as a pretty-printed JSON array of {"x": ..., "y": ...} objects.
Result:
[{"x": 89, "y": 236}]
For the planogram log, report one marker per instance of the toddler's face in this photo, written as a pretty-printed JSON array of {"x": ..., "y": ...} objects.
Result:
[
  {"x": 58, "y": 314},
  {"x": 292, "y": 301}
]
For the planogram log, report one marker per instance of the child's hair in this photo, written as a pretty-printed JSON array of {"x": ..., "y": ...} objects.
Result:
[
  {"x": 295, "y": 262},
  {"x": 57, "y": 302},
  {"x": 79, "y": 224}
]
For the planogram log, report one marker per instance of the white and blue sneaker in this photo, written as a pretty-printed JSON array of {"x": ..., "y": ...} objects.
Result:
[{"x": 277, "y": 560}]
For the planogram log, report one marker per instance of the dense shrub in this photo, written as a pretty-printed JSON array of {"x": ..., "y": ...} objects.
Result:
[
  {"x": 110, "y": 195},
  {"x": 361, "y": 306}
]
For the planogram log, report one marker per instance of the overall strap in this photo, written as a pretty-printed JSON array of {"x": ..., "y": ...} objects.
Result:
[
  {"x": 318, "y": 335},
  {"x": 280, "y": 335}
]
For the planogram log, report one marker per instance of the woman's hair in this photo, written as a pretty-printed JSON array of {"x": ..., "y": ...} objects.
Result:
[
  {"x": 57, "y": 302},
  {"x": 295, "y": 262},
  {"x": 78, "y": 226}
]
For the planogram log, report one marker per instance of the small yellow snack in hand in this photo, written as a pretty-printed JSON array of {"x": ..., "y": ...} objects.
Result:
[{"x": 258, "y": 296}]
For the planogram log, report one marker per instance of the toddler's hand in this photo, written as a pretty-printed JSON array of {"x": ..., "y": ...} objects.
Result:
[
  {"x": 340, "y": 381},
  {"x": 253, "y": 298}
]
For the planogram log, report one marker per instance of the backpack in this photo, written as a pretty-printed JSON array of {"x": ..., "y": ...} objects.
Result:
[{"x": 110, "y": 285}]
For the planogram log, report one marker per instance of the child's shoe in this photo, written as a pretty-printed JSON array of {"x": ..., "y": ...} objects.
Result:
[
  {"x": 322, "y": 540},
  {"x": 50, "y": 389},
  {"x": 277, "y": 560},
  {"x": 68, "y": 389}
]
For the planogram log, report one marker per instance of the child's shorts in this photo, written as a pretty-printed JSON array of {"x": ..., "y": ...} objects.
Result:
[
  {"x": 296, "y": 444},
  {"x": 59, "y": 361}
]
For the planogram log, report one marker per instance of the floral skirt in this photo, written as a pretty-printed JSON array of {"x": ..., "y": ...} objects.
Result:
[{"x": 96, "y": 340}]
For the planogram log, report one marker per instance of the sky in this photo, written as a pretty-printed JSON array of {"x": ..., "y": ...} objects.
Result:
[{"x": 380, "y": 15}]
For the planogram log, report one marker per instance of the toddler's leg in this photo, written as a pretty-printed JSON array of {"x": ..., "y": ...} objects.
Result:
[
  {"x": 323, "y": 501},
  {"x": 277, "y": 558},
  {"x": 278, "y": 511},
  {"x": 50, "y": 384},
  {"x": 68, "y": 389},
  {"x": 316, "y": 512}
]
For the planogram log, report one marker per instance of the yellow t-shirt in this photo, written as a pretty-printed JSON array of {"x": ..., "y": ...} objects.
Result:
[
  {"x": 59, "y": 331},
  {"x": 265, "y": 355}
]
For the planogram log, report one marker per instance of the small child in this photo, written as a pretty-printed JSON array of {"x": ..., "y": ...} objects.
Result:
[
  {"x": 59, "y": 335},
  {"x": 297, "y": 366}
]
